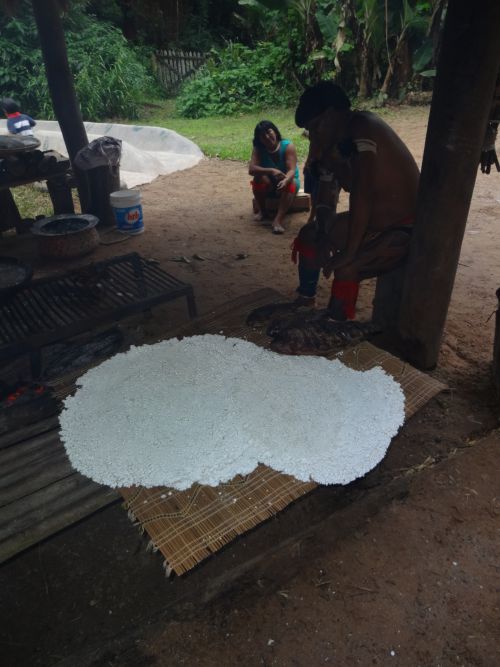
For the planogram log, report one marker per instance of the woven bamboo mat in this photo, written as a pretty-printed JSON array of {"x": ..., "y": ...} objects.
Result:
[{"x": 188, "y": 526}]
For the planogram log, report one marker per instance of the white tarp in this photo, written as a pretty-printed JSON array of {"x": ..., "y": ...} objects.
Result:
[{"x": 147, "y": 152}]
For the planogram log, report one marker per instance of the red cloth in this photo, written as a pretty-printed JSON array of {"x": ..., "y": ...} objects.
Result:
[
  {"x": 267, "y": 187},
  {"x": 299, "y": 248},
  {"x": 346, "y": 291},
  {"x": 14, "y": 115},
  {"x": 260, "y": 187}
]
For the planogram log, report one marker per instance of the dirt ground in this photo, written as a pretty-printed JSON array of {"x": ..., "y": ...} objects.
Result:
[{"x": 413, "y": 580}]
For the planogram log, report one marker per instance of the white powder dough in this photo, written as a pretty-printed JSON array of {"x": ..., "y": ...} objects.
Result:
[{"x": 206, "y": 408}]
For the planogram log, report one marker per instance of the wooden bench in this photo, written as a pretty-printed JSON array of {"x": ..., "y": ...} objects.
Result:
[
  {"x": 302, "y": 202},
  {"x": 53, "y": 168}
]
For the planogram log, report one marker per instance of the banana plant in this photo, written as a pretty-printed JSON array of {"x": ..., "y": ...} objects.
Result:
[{"x": 407, "y": 19}]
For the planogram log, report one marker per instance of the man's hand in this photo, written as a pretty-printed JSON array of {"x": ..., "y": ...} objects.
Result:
[
  {"x": 336, "y": 262},
  {"x": 276, "y": 174},
  {"x": 489, "y": 158}
]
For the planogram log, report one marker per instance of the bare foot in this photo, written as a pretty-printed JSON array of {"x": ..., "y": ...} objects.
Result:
[
  {"x": 278, "y": 228},
  {"x": 259, "y": 216}
]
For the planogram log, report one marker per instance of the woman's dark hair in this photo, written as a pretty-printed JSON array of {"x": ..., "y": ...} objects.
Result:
[
  {"x": 9, "y": 105},
  {"x": 262, "y": 127},
  {"x": 319, "y": 98}
]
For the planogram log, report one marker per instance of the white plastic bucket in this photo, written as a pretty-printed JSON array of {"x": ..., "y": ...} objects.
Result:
[{"x": 127, "y": 208}]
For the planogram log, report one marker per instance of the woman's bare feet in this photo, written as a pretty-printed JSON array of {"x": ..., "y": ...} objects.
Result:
[
  {"x": 278, "y": 228},
  {"x": 263, "y": 217}
]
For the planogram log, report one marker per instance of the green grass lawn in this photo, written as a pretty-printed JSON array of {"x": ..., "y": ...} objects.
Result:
[{"x": 31, "y": 201}]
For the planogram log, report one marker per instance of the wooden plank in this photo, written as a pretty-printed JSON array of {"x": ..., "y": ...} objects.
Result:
[
  {"x": 30, "y": 451},
  {"x": 10, "y": 213},
  {"x": 61, "y": 167},
  {"x": 21, "y": 462},
  {"x": 29, "y": 431},
  {"x": 65, "y": 496},
  {"x": 15, "y": 487},
  {"x": 49, "y": 510},
  {"x": 302, "y": 202},
  {"x": 496, "y": 347}
]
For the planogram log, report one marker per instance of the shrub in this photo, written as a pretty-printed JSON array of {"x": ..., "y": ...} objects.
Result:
[
  {"x": 238, "y": 79},
  {"x": 110, "y": 77}
]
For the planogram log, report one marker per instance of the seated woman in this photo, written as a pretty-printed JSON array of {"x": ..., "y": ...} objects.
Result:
[{"x": 273, "y": 166}]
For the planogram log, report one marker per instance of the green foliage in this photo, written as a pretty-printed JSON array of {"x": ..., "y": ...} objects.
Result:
[
  {"x": 422, "y": 55},
  {"x": 362, "y": 44},
  {"x": 328, "y": 18},
  {"x": 354, "y": 41},
  {"x": 18, "y": 40},
  {"x": 238, "y": 79},
  {"x": 110, "y": 76}
]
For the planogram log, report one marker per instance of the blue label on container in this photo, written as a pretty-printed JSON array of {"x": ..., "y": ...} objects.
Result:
[{"x": 129, "y": 219}]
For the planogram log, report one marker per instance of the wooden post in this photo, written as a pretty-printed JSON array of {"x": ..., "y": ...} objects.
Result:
[
  {"x": 10, "y": 213},
  {"x": 467, "y": 69},
  {"x": 59, "y": 77},
  {"x": 387, "y": 300},
  {"x": 60, "y": 194},
  {"x": 496, "y": 348}
]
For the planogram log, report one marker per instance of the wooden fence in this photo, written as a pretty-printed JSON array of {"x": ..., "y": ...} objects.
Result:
[{"x": 173, "y": 66}]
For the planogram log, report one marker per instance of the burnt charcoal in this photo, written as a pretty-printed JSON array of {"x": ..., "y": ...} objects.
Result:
[
  {"x": 344, "y": 337},
  {"x": 28, "y": 410},
  {"x": 87, "y": 286},
  {"x": 69, "y": 356},
  {"x": 91, "y": 275}
]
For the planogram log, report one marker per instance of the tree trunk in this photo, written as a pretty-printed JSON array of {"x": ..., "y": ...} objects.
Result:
[
  {"x": 364, "y": 72},
  {"x": 59, "y": 78},
  {"x": 393, "y": 62},
  {"x": 467, "y": 69},
  {"x": 129, "y": 26},
  {"x": 403, "y": 69}
]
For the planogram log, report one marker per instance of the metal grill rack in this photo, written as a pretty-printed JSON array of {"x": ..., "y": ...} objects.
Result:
[{"x": 55, "y": 308}]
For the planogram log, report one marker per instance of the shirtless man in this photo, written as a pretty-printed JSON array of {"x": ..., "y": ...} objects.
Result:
[{"x": 369, "y": 160}]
